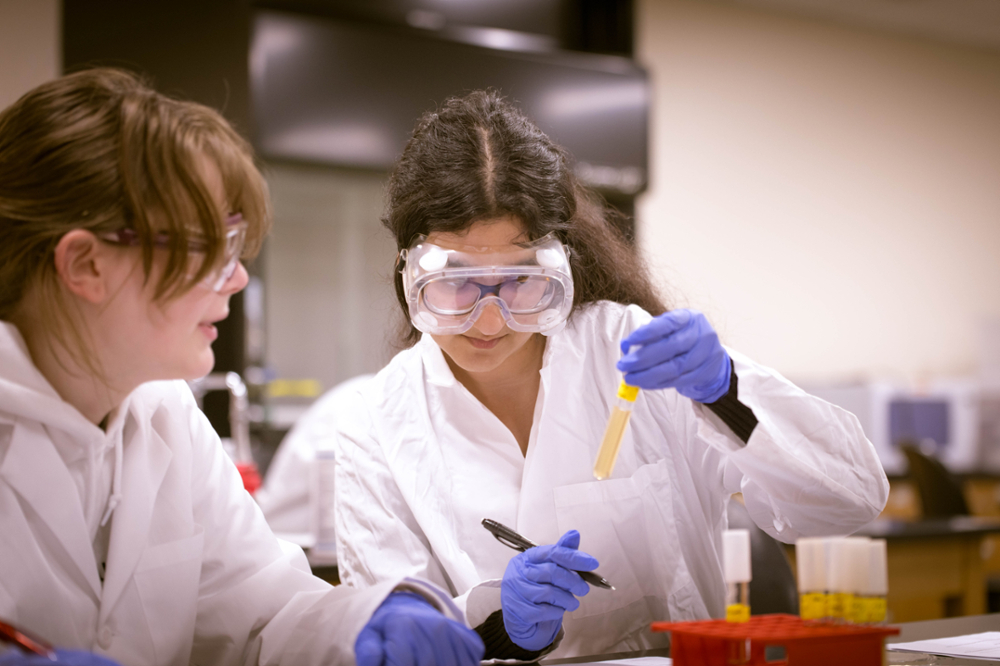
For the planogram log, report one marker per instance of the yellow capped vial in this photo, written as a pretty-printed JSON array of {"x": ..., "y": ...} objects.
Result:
[
  {"x": 736, "y": 570},
  {"x": 620, "y": 414}
]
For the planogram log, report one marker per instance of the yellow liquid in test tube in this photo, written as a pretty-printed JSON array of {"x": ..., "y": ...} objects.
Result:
[{"x": 620, "y": 414}]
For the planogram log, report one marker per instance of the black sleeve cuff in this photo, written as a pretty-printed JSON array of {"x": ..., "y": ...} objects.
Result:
[
  {"x": 498, "y": 643},
  {"x": 735, "y": 414}
]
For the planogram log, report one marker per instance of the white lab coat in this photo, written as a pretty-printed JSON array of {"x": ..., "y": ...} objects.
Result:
[
  {"x": 194, "y": 575},
  {"x": 422, "y": 462}
]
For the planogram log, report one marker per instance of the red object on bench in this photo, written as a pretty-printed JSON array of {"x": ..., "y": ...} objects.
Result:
[{"x": 787, "y": 639}]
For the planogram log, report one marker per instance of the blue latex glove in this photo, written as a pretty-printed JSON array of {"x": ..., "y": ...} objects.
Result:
[
  {"x": 406, "y": 630},
  {"x": 679, "y": 350},
  {"x": 67, "y": 657},
  {"x": 539, "y": 586}
]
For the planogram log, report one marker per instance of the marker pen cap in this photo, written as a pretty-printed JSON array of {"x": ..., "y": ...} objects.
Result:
[{"x": 736, "y": 555}]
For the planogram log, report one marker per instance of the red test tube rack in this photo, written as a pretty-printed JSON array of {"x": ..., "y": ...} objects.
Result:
[{"x": 774, "y": 640}]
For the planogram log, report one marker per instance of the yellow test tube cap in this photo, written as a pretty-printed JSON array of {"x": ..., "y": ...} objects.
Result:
[{"x": 626, "y": 392}]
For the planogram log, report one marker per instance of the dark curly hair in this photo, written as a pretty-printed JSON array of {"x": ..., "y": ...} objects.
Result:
[{"x": 478, "y": 157}]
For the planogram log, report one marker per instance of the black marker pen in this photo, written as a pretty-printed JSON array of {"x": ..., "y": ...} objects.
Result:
[{"x": 512, "y": 539}]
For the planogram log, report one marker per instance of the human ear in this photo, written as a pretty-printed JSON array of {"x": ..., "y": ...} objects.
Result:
[{"x": 82, "y": 265}]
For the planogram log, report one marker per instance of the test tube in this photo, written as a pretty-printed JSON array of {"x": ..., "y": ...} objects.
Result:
[
  {"x": 736, "y": 568},
  {"x": 810, "y": 562},
  {"x": 878, "y": 583},
  {"x": 620, "y": 414},
  {"x": 858, "y": 552},
  {"x": 847, "y": 568},
  {"x": 321, "y": 504}
]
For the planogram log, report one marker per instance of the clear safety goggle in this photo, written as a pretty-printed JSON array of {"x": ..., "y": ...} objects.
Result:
[
  {"x": 447, "y": 289},
  {"x": 236, "y": 234}
]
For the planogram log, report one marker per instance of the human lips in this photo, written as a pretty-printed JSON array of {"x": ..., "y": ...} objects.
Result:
[
  {"x": 480, "y": 343},
  {"x": 209, "y": 329}
]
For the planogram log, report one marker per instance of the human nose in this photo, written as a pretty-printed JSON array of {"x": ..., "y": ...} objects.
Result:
[
  {"x": 491, "y": 320},
  {"x": 237, "y": 282}
]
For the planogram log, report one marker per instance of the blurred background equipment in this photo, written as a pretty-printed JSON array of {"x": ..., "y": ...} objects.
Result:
[
  {"x": 940, "y": 492},
  {"x": 237, "y": 445},
  {"x": 940, "y": 418},
  {"x": 288, "y": 500}
]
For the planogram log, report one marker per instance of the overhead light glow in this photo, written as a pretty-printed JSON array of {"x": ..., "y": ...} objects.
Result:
[
  {"x": 338, "y": 144},
  {"x": 497, "y": 38},
  {"x": 594, "y": 100},
  {"x": 271, "y": 39}
]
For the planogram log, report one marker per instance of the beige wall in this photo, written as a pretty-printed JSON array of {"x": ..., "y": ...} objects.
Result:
[
  {"x": 30, "y": 46},
  {"x": 828, "y": 195}
]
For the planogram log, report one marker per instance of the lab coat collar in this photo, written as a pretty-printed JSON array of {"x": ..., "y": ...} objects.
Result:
[
  {"x": 435, "y": 364},
  {"x": 33, "y": 468},
  {"x": 32, "y": 464},
  {"x": 26, "y": 393},
  {"x": 146, "y": 459}
]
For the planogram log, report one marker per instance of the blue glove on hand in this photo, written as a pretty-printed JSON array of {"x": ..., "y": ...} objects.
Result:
[
  {"x": 407, "y": 630},
  {"x": 538, "y": 587},
  {"x": 680, "y": 350},
  {"x": 67, "y": 657}
]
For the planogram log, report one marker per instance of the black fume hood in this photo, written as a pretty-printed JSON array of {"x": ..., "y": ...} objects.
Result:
[{"x": 348, "y": 93}]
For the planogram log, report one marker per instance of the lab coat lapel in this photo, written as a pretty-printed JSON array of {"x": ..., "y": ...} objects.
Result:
[
  {"x": 35, "y": 471},
  {"x": 442, "y": 506},
  {"x": 556, "y": 457},
  {"x": 533, "y": 514},
  {"x": 145, "y": 463}
]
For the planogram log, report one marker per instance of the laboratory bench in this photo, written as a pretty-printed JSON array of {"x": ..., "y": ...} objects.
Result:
[
  {"x": 942, "y": 568},
  {"x": 949, "y": 626},
  {"x": 942, "y": 628}
]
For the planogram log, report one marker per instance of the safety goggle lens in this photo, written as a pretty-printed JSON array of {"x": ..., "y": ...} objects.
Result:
[
  {"x": 235, "y": 240},
  {"x": 524, "y": 294}
]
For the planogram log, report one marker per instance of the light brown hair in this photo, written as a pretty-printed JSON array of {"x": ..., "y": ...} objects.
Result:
[
  {"x": 100, "y": 150},
  {"x": 478, "y": 157}
]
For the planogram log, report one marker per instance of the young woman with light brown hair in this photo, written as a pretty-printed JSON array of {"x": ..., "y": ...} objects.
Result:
[{"x": 124, "y": 216}]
